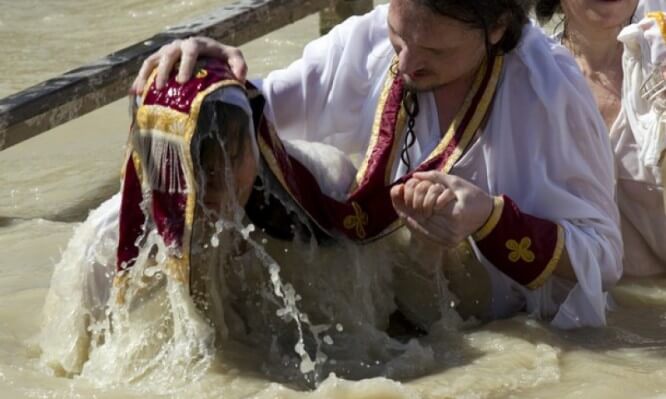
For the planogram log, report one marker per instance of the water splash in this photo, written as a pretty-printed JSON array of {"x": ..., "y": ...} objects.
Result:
[{"x": 306, "y": 310}]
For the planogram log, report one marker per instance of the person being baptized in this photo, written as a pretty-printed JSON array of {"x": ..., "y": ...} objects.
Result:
[{"x": 204, "y": 252}]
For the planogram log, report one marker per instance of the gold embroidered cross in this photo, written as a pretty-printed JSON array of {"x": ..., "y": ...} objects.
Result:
[
  {"x": 357, "y": 221},
  {"x": 520, "y": 251}
]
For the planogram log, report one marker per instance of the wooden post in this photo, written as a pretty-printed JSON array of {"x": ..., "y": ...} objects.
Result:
[
  {"x": 339, "y": 10},
  {"x": 77, "y": 92}
]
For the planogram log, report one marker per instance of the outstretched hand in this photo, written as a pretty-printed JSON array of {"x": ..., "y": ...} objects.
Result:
[
  {"x": 444, "y": 208},
  {"x": 187, "y": 51}
]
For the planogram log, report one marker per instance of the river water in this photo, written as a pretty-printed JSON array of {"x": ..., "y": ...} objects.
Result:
[{"x": 49, "y": 184}]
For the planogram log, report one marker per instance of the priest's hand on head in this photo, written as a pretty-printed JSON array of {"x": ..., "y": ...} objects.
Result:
[
  {"x": 444, "y": 208},
  {"x": 187, "y": 51}
]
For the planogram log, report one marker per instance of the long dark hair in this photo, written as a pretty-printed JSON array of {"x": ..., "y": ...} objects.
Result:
[
  {"x": 486, "y": 15},
  {"x": 481, "y": 14}
]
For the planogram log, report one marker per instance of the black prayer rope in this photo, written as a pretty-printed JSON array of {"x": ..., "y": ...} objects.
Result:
[{"x": 411, "y": 104}]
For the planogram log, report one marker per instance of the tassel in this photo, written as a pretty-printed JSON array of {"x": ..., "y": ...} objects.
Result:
[{"x": 162, "y": 158}]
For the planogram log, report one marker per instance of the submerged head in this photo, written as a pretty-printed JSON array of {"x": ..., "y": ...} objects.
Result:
[
  {"x": 228, "y": 161},
  {"x": 439, "y": 42}
]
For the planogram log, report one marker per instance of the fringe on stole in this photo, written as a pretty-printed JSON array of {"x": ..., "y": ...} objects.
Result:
[{"x": 163, "y": 157}]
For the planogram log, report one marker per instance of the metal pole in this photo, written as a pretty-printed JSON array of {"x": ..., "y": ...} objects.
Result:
[{"x": 44, "y": 106}]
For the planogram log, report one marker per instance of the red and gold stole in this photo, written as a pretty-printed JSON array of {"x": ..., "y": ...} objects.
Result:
[
  {"x": 367, "y": 213},
  {"x": 158, "y": 181}
]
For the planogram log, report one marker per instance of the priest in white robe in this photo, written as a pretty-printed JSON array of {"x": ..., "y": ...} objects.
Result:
[
  {"x": 517, "y": 175},
  {"x": 537, "y": 145}
]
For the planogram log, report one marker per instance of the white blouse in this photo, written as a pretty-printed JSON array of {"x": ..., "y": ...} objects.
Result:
[{"x": 639, "y": 139}]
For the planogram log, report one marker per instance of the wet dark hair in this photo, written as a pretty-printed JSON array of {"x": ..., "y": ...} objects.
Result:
[
  {"x": 481, "y": 14},
  {"x": 486, "y": 15},
  {"x": 545, "y": 9}
]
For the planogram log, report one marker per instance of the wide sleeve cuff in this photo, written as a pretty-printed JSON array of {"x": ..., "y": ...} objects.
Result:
[{"x": 524, "y": 247}]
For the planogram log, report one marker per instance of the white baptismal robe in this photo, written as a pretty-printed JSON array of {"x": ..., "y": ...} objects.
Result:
[
  {"x": 639, "y": 139},
  {"x": 544, "y": 145}
]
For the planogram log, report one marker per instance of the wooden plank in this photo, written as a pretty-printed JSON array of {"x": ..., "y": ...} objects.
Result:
[{"x": 51, "y": 103}]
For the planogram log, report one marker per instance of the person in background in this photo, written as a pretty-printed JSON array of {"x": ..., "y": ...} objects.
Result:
[{"x": 620, "y": 47}]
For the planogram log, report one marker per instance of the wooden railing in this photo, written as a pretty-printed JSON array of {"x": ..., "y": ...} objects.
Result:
[{"x": 51, "y": 103}]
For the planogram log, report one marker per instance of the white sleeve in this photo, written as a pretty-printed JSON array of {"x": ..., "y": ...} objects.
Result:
[
  {"x": 643, "y": 60},
  {"x": 323, "y": 93},
  {"x": 592, "y": 233},
  {"x": 556, "y": 162}
]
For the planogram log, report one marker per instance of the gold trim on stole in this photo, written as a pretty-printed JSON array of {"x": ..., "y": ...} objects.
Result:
[
  {"x": 150, "y": 118},
  {"x": 397, "y": 143},
  {"x": 159, "y": 120},
  {"x": 399, "y": 131},
  {"x": 473, "y": 125},
  {"x": 552, "y": 264},
  {"x": 376, "y": 128},
  {"x": 477, "y": 118}
]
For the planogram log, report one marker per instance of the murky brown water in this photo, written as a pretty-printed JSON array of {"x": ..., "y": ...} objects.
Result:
[{"x": 48, "y": 185}]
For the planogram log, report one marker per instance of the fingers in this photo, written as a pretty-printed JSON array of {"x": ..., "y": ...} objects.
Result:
[
  {"x": 233, "y": 56},
  {"x": 423, "y": 222},
  {"x": 444, "y": 199},
  {"x": 195, "y": 47},
  {"x": 163, "y": 60},
  {"x": 420, "y": 198},
  {"x": 408, "y": 193},
  {"x": 237, "y": 64},
  {"x": 451, "y": 181},
  {"x": 146, "y": 68},
  {"x": 431, "y": 176},
  {"x": 430, "y": 199},
  {"x": 189, "y": 52},
  {"x": 397, "y": 198},
  {"x": 419, "y": 193},
  {"x": 170, "y": 54},
  {"x": 444, "y": 208}
]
